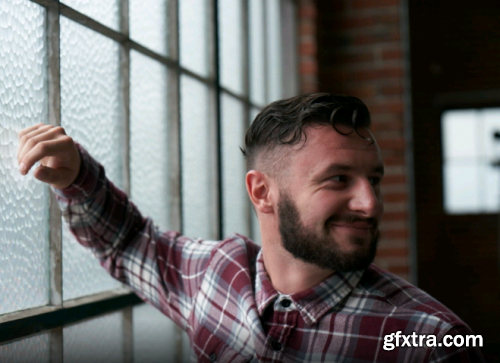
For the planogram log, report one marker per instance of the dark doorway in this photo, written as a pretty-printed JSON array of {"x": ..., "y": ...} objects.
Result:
[{"x": 455, "y": 64}]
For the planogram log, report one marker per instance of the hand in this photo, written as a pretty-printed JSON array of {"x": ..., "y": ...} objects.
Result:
[{"x": 59, "y": 158}]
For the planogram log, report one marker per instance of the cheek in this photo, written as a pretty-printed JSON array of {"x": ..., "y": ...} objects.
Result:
[{"x": 319, "y": 208}]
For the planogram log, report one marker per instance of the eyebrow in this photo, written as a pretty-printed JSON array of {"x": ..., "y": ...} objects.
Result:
[{"x": 335, "y": 168}]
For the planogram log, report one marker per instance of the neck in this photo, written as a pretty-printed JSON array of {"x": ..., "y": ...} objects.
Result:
[{"x": 288, "y": 274}]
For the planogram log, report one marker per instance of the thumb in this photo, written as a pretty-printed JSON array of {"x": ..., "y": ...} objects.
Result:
[{"x": 58, "y": 178}]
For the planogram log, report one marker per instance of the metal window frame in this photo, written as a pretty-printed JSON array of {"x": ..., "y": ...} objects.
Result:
[{"x": 59, "y": 313}]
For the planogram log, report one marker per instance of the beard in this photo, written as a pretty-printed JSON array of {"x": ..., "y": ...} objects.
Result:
[{"x": 322, "y": 250}]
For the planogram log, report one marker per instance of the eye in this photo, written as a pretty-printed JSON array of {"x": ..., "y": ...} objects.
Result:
[
  {"x": 375, "y": 180},
  {"x": 340, "y": 178}
]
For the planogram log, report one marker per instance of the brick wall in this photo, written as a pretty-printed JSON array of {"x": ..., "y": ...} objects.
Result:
[{"x": 354, "y": 47}]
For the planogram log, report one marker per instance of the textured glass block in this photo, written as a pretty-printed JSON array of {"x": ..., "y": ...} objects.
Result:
[
  {"x": 155, "y": 336},
  {"x": 29, "y": 350},
  {"x": 231, "y": 44},
  {"x": 198, "y": 162},
  {"x": 461, "y": 188},
  {"x": 105, "y": 12},
  {"x": 274, "y": 65},
  {"x": 257, "y": 52},
  {"x": 24, "y": 275},
  {"x": 148, "y": 24},
  {"x": 460, "y": 137},
  {"x": 491, "y": 124},
  {"x": 96, "y": 340},
  {"x": 235, "y": 197},
  {"x": 188, "y": 354},
  {"x": 194, "y": 35},
  {"x": 490, "y": 193},
  {"x": 148, "y": 138},
  {"x": 90, "y": 112}
]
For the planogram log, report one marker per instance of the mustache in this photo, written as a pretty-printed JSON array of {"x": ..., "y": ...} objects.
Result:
[{"x": 349, "y": 218}]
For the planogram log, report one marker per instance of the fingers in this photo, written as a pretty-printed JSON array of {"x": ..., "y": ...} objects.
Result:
[
  {"x": 59, "y": 178},
  {"x": 45, "y": 145},
  {"x": 26, "y": 135}
]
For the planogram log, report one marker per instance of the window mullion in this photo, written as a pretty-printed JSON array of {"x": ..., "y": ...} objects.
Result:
[
  {"x": 128, "y": 336},
  {"x": 246, "y": 91},
  {"x": 54, "y": 110},
  {"x": 174, "y": 138},
  {"x": 216, "y": 119}
]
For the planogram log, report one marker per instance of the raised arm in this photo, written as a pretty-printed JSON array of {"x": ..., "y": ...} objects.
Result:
[{"x": 164, "y": 269}]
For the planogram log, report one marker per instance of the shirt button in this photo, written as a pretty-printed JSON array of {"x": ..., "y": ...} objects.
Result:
[
  {"x": 285, "y": 303},
  {"x": 212, "y": 357},
  {"x": 276, "y": 345}
]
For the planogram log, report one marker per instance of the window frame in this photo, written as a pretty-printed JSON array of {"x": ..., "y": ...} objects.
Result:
[{"x": 58, "y": 313}]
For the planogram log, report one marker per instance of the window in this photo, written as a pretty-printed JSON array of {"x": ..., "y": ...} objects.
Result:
[
  {"x": 161, "y": 93},
  {"x": 471, "y": 182}
]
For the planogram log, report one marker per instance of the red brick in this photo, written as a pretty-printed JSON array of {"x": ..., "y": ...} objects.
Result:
[
  {"x": 399, "y": 269},
  {"x": 307, "y": 28},
  {"x": 308, "y": 48},
  {"x": 394, "y": 160},
  {"x": 388, "y": 36},
  {"x": 392, "y": 252},
  {"x": 396, "y": 89},
  {"x": 396, "y": 107},
  {"x": 395, "y": 197},
  {"x": 392, "y": 144},
  {"x": 395, "y": 216},
  {"x": 353, "y": 22},
  {"x": 307, "y": 9},
  {"x": 363, "y": 4},
  {"x": 389, "y": 54},
  {"x": 396, "y": 234},
  {"x": 309, "y": 67},
  {"x": 380, "y": 73},
  {"x": 353, "y": 58},
  {"x": 394, "y": 179}
]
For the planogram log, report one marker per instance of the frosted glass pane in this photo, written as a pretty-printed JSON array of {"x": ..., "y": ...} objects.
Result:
[
  {"x": 491, "y": 124},
  {"x": 105, "y": 12},
  {"x": 273, "y": 25},
  {"x": 461, "y": 188},
  {"x": 148, "y": 24},
  {"x": 194, "y": 35},
  {"x": 257, "y": 52},
  {"x": 490, "y": 192},
  {"x": 23, "y": 200},
  {"x": 235, "y": 198},
  {"x": 460, "y": 134},
  {"x": 188, "y": 354},
  {"x": 148, "y": 138},
  {"x": 29, "y": 350},
  {"x": 197, "y": 140},
  {"x": 96, "y": 340},
  {"x": 90, "y": 108},
  {"x": 155, "y": 336},
  {"x": 231, "y": 44}
]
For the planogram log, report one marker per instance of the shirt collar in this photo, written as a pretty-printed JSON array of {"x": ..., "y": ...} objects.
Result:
[{"x": 312, "y": 303}]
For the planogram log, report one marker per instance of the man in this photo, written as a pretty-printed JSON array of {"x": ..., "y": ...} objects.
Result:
[{"x": 310, "y": 294}]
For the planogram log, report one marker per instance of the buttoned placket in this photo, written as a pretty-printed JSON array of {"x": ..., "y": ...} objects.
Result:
[{"x": 284, "y": 321}]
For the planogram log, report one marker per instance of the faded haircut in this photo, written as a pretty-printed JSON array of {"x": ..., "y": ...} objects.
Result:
[{"x": 282, "y": 123}]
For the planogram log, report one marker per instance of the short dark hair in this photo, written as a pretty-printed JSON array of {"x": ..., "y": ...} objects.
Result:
[{"x": 282, "y": 122}]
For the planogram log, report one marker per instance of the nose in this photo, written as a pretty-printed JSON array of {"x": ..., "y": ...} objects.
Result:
[{"x": 365, "y": 199}]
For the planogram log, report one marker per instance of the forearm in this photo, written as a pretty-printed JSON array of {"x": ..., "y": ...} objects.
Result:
[{"x": 99, "y": 214}]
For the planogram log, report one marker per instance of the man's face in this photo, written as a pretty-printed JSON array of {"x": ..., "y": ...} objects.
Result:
[{"x": 329, "y": 204}]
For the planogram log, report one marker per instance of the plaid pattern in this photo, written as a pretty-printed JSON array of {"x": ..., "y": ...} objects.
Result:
[{"x": 219, "y": 292}]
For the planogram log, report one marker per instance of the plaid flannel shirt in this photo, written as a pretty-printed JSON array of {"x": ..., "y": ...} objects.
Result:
[{"x": 219, "y": 291}]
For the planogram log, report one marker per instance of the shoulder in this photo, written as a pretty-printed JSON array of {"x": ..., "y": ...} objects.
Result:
[{"x": 406, "y": 302}]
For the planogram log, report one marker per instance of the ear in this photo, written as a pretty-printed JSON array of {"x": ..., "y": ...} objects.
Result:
[{"x": 259, "y": 191}]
